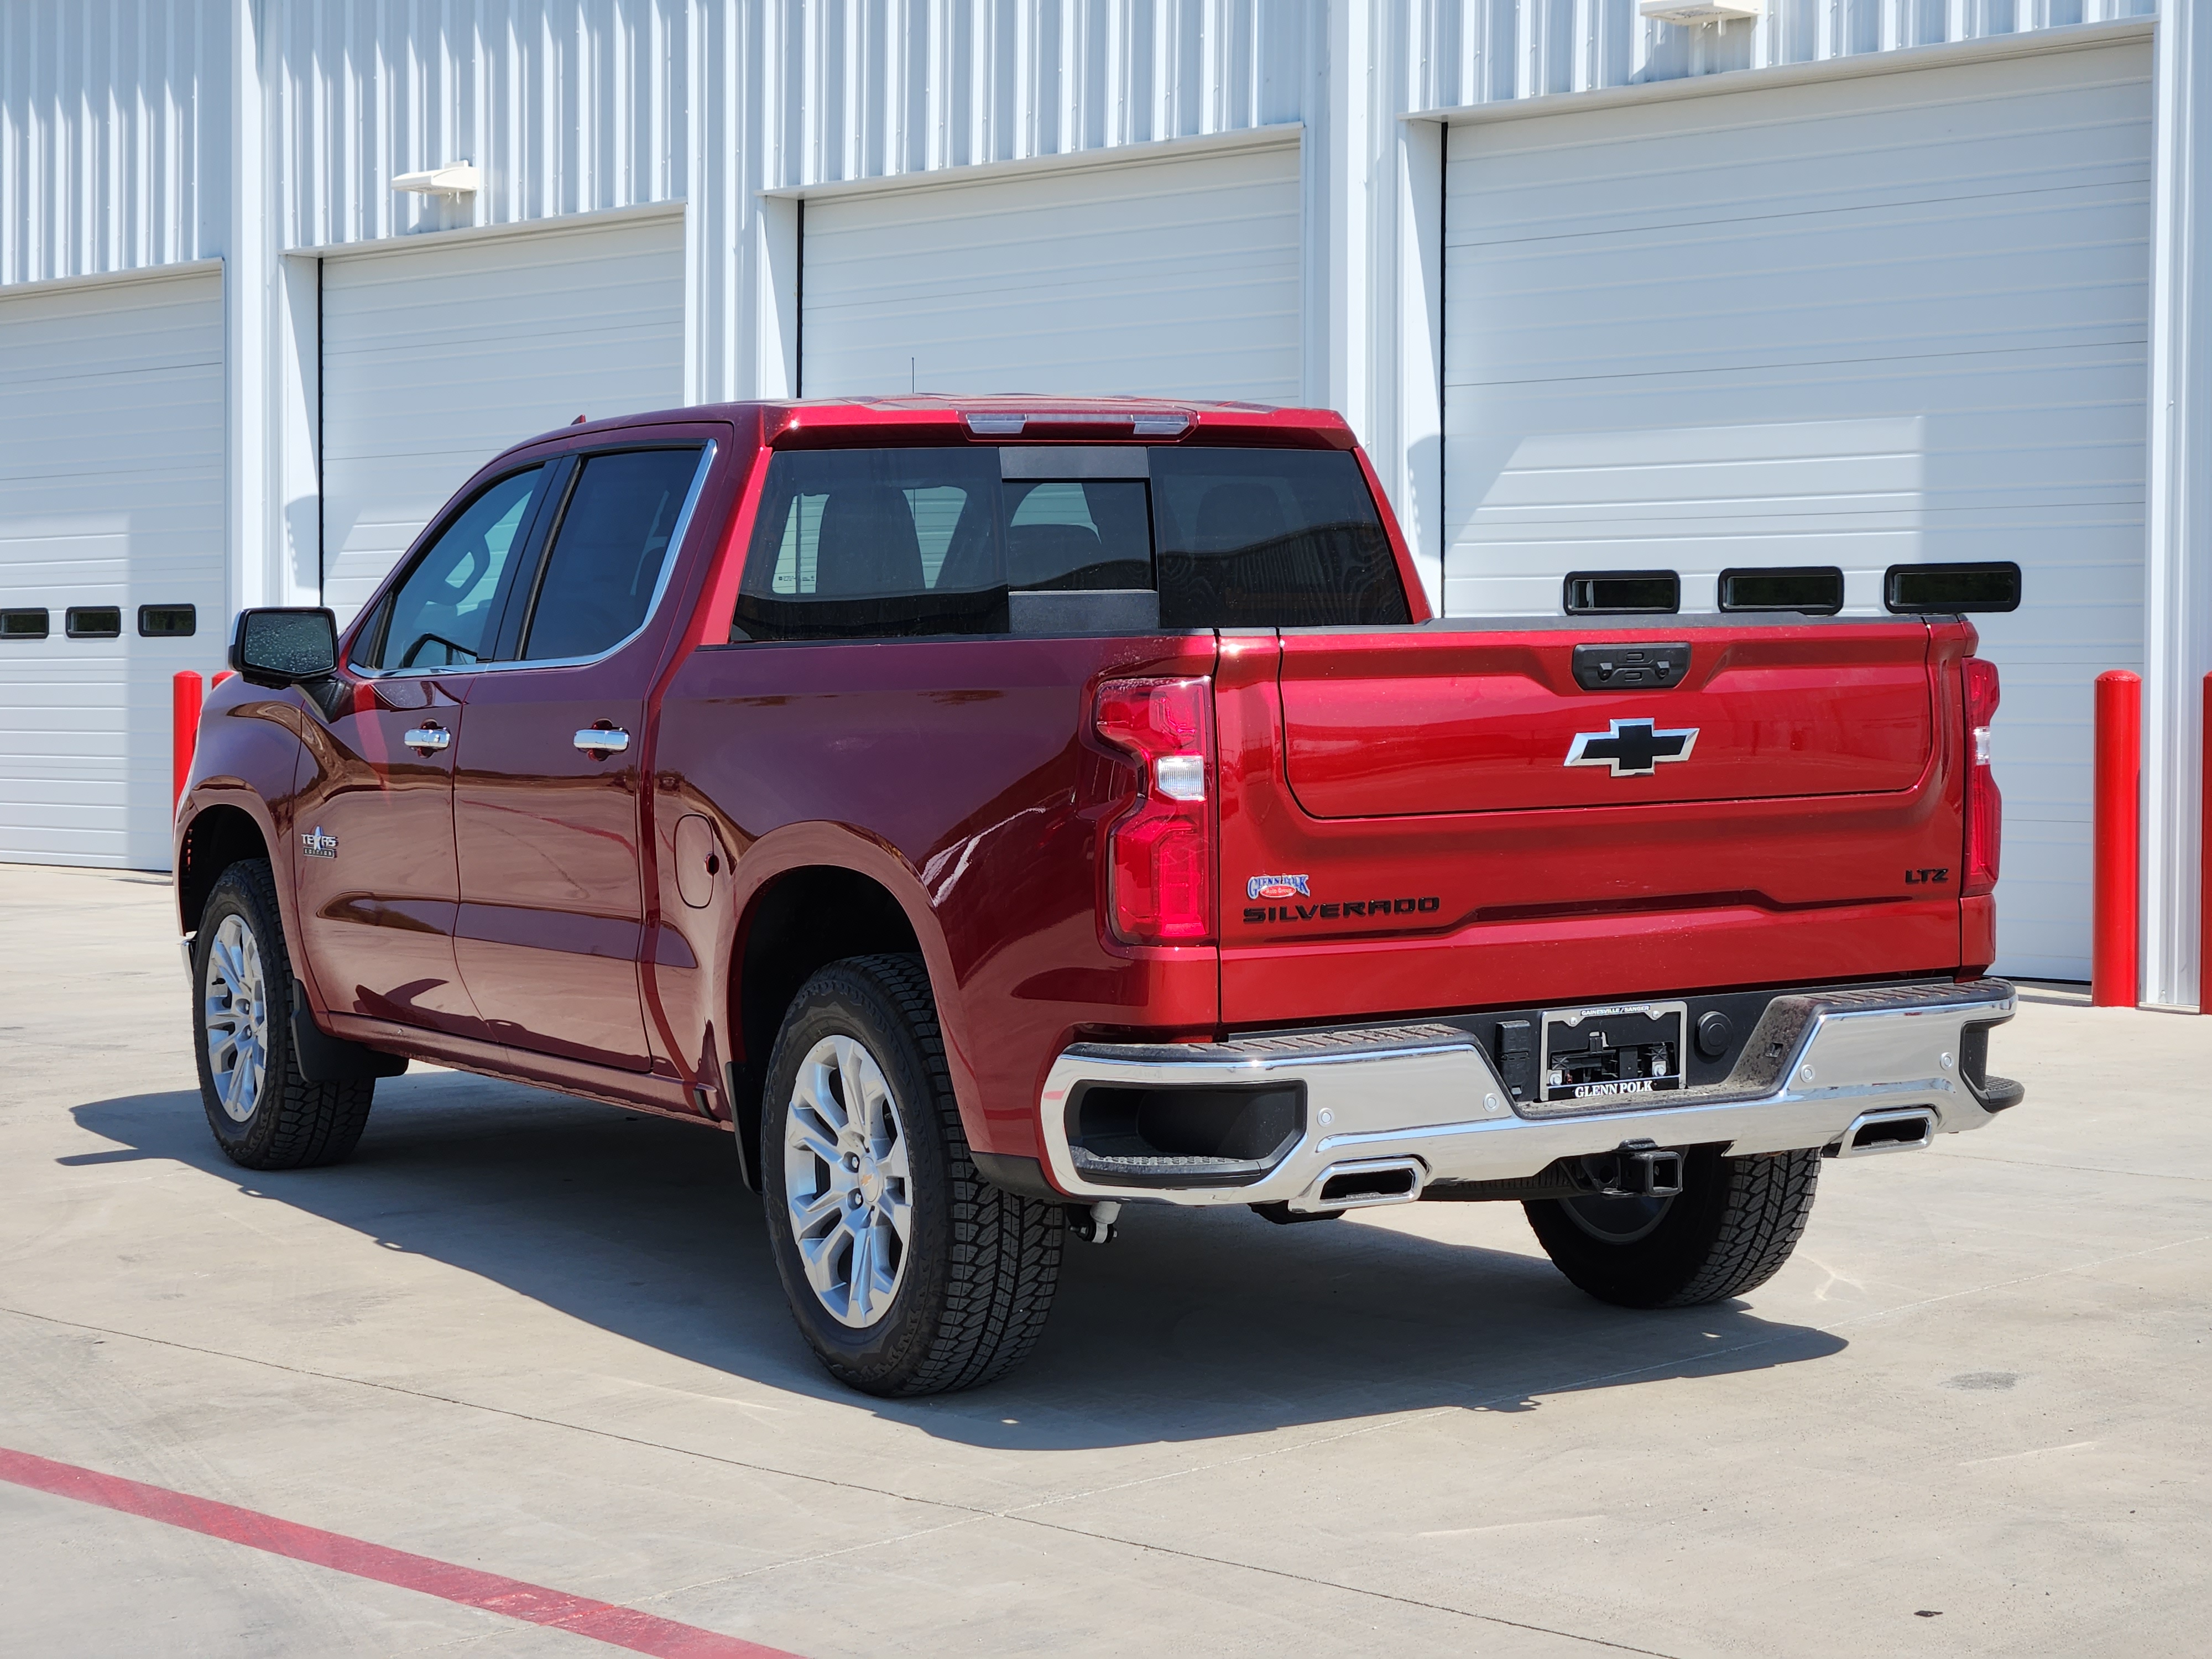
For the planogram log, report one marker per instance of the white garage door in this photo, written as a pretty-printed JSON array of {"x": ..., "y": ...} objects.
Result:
[
  {"x": 111, "y": 498},
  {"x": 1177, "y": 277},
  {"x": 436, "y": 358},
  {"x": 1858, "y": 323}
]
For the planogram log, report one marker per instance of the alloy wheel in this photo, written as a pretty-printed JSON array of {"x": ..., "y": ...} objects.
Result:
[
  {"x": 846, "y": 1183},
  {"x": 237, "y": 1018}
]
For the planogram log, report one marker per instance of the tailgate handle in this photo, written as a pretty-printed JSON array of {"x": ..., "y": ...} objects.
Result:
[{"x": 1641, "y": 665}]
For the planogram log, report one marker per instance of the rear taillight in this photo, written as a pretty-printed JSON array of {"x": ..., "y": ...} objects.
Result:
[
  {"x": 1160, "y": 854},
  {"x": 1984, "y": 806}
]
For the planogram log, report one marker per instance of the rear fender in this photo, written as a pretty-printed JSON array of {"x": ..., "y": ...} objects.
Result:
[{"x": 842, "y": 846}]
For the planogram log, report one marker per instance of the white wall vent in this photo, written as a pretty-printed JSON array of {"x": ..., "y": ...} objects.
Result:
[
  {"x": 1691, "y": 13},
  {"x": 459, "y": 179}
]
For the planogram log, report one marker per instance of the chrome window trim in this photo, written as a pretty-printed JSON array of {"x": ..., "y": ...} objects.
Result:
[{"x": 709, "y": 447}]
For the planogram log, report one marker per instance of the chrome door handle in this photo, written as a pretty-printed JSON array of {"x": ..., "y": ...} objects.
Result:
[
  {"x": 423, "y": 739},
  {"x": 602, "y": 740}
]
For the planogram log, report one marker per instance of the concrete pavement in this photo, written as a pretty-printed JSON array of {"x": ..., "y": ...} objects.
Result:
[{"x": 543, "y": 1338}]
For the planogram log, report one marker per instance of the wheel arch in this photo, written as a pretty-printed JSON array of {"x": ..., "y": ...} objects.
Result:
[
  {"x": 216, "y": 837},
  {"x": 808, "y": 896}
]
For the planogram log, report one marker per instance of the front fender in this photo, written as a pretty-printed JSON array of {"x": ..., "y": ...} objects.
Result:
[{"x": 246, "y": 759}]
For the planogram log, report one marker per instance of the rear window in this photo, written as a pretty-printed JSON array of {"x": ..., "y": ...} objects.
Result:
[{"x": 890, "y": 543}]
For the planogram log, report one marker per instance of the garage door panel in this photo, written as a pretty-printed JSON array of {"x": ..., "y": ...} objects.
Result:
[
  {"x": 435, "y": 359},
  {"x": 1957, "y": 444},
  {"x": 2066, "y": 122},
  {"x": 110, "y": 492},
  {"x": 1175, "y": 277},
  {"x": 1890, "y": 319},
  {"x": 1760, "y": 298}
]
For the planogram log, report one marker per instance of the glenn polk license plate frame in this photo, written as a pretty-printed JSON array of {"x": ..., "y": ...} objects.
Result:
[{"x": 1652, "y": 1021}]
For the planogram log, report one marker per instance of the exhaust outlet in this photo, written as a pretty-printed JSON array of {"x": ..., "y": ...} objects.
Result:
[
  {"x": 1907, "y": 1131},
  {"x": 1363, "y": 1185}
]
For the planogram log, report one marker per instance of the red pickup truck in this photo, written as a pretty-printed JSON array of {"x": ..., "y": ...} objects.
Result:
[{"x": 997, "y": 812}]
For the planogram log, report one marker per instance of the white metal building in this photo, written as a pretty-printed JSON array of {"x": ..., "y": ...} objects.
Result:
[{"x": 1863, "y": 283}]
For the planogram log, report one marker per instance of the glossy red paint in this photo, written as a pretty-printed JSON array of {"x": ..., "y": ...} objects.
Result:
[
  {"x": 604, "y": 909},
  {"x": 1475, "y": 718},
  {"x": 959, "y": 775},
  {"x": 552, "y": 900},
  {"x": 377, "y": 916}
]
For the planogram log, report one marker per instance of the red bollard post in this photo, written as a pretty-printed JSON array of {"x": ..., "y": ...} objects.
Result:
[
  {"x": 2115, "y": 924},
  {"x": 183, "y": 729},
  {"x": 223, "y": 674}
]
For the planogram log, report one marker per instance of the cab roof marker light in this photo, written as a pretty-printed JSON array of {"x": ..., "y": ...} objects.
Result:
[{"x": 994, "y": 424}]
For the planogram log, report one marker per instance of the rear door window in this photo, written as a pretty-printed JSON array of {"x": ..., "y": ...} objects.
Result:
[
  {"x": 1270, "y": 538},
  {"x": 611, "y": 550},
  {"x": 876, "y": 544}
]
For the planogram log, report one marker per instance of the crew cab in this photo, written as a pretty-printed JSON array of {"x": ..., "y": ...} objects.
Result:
[{"x": 993, "y": 813}]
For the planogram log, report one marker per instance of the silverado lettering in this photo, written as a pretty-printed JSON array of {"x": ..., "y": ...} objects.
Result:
[
  {"x": 870, "y": 783},
  {"x": 1348, "y": 909}
]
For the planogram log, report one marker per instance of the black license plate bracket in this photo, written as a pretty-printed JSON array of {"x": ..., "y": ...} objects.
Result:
[{"x": 1622, "y": 1052}]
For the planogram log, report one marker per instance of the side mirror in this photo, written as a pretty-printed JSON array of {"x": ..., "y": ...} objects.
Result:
[{"x": 285, "y": 646}]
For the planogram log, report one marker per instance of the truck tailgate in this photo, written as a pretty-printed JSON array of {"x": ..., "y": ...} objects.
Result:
[
  {"x": 1446, "y": 817},
  {"x": 1466, "y": 722}
]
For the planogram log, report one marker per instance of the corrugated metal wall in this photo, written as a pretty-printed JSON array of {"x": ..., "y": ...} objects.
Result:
[
  {"x": 114, "y": 118},
  {"x": 115, "y": 114},
  {"x": 1459, "y": 53},
  {"x": 567, "y": 105}
]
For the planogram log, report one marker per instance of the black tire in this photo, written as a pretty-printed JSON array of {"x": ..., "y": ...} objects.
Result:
[
  {"x": 975, "y": 1277},
  {"x": 289, "y": 1123},
  {"x": 1730, "y": 1230}
]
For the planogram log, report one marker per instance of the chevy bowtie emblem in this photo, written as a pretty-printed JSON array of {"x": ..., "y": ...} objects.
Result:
[
  {"x": 1634, "y": 749},
  {"x": 317, "y": 845}
]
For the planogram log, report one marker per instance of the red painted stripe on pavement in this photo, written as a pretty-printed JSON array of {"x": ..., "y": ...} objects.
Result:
[{"x": 603, "y": 1621}]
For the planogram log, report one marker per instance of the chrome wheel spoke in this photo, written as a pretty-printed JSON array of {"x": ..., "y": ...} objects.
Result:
[
  {"x": 819, "y": 1256},
  {"x": 808, "y": 1215},
  {"x": 860, "y": 1282},
  {"x": 896, "y": 1213},
  {"x": 822, "y": 1143}
]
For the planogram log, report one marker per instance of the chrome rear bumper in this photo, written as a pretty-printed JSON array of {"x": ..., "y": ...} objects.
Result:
[{"x": 1429, "y": 1093}]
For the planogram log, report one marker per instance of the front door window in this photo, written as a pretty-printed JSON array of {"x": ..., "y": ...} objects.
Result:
[{"x": 446, "y": 613}]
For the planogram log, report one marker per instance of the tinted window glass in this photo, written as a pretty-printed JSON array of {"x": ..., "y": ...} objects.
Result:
[
  {"x": 876, "y": 543},
  {"x": 158, "y": 621},
  {"x": 1622, "y": 593},
  {"x": 607, "y": 555},
  {"x": 1816, "y": 590},
  {"x": 1270, "y": 538},
  {"x": 1915, "y": 589},
  {"x": 1068, "y": 535},
  {"x": 93, "y": 622},
  {"x": 442, "y": 614}
]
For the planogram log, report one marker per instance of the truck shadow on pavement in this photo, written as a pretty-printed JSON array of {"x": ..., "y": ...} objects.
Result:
[{"x": 1190, "y": 1327}]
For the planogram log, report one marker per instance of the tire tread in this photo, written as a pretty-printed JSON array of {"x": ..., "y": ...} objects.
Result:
[
  {"x": 1769, "y": 1200},
  {"x": 1005, "y": 1249},
  {"x": 312, "y": 1124}
]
